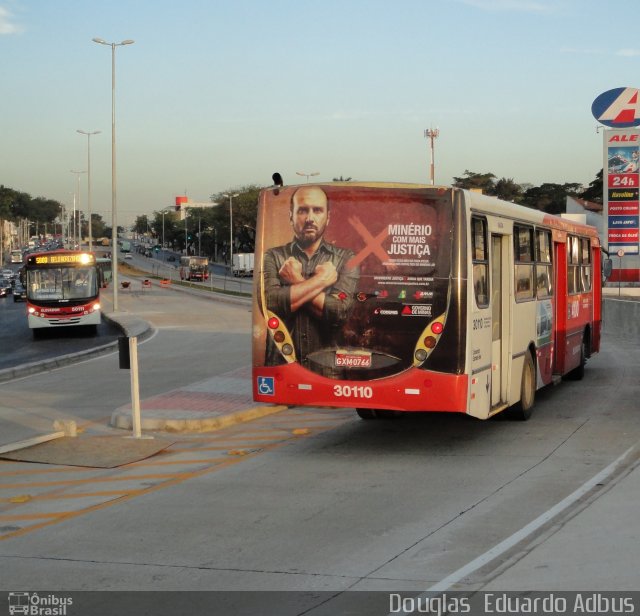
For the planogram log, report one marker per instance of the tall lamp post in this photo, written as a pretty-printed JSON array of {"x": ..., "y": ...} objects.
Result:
[
  {"x": 163, "y": 213},
  {"x": 432, "y": 134},
  {"x": 114, "y": 217},
  {"x": 307, "y": 175},
  {"x": 88, "y": 134},
  {"x": 77, "y": 233},
  {"x": 230, "y": 228}
]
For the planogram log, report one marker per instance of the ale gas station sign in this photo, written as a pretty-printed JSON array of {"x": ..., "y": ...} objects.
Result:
[{"x": 619, "y": 110}]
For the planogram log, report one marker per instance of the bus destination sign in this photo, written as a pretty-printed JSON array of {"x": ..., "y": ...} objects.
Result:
[{"x": 83, "y": 258}]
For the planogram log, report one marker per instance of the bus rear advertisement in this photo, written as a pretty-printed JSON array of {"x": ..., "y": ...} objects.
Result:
[{"x": 392, "y": 297}]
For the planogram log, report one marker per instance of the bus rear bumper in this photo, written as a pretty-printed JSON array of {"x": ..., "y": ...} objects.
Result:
[{"x": 413, "y": 391}]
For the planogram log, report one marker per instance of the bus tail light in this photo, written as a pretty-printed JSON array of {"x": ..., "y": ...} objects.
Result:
[
  {"x": 428, "y": 340},
  {"x": 420, "y": 355},
  {"x": 281, "y": 337}
]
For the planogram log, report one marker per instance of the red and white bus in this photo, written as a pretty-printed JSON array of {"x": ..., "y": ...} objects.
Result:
[
  {"x": 194, "y": 268},
  {"x": 397, "y": 297},
  {"x": 62, "y": 290}
]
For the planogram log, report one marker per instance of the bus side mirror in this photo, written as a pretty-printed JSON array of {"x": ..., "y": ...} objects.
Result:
[{"x": 607, "y": 268}]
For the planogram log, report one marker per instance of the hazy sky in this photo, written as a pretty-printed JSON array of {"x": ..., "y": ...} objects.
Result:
[{"x": 217, "y": 94}]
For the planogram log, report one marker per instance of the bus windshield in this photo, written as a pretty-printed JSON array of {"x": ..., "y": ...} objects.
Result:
[
  {"x": 62, "y": 283},
  {"x": 382, "y": 261}
]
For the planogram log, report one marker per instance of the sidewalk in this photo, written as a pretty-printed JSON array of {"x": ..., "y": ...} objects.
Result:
[
  {"x": 203, "y": 406},
  {"x": 212, "y": 404}
]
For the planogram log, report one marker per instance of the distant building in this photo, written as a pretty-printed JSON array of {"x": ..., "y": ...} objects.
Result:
[{"x": 183, "y": 203}]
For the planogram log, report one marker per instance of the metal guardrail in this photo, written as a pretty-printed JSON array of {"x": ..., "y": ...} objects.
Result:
[{"x": 217, "y": 282}]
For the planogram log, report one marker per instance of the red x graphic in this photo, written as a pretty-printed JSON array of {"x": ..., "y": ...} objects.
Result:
[{"x": 373, "y": 245}]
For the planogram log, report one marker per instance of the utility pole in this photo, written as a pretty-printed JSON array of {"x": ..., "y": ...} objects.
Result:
[{"x": 432, "y": 134}]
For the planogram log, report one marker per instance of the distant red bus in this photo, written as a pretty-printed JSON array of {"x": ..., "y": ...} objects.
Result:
[
  {"x": 392, "y": 297},
  {"x": 194, "y": 268},
  {"x": 62, "y": 290}
]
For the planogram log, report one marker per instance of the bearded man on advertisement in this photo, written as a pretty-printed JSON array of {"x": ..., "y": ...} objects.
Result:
[{"x": 307, "y": 282}]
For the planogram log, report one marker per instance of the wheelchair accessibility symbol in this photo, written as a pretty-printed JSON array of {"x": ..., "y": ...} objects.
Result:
[{"x": 266, "y": 386}]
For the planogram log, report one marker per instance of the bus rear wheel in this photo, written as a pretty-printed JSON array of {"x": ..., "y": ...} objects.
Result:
[
  {"x": 523, "y": 409},
  {"x": 577, "y": 374}
]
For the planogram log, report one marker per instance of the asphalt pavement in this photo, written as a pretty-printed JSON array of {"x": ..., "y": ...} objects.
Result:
[
  {"x": 203, "y": 406},
  {"x": 599, "y": 517}
]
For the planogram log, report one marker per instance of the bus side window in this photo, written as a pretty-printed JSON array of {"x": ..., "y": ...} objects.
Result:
[
  {"x": 523, "y": 256},
  {"x": 585, "y": 265},
  {"x": 544, "y": 279},
  {"x": 479, "y": 251},
  {"x": 573, "y": 265}
]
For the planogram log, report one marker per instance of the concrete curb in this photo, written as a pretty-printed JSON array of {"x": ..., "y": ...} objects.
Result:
[
  {"x": 128, "y": 325},
  {"x": 190, "y": 421},
  {"x": 8, "y": 374}
]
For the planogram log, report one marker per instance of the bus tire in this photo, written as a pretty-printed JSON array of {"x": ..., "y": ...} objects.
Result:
[
  {"x": 577, "y": 374},
  {"x": 523, "y": 409}
]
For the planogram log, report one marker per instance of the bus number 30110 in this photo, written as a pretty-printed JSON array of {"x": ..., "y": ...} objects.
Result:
[{"x": 352, "y": 391}]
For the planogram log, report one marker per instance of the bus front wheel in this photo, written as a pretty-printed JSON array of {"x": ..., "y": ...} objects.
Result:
[{"x": 523, "y": 409}]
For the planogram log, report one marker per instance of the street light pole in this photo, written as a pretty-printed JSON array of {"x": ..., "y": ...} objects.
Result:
[
  {"x": 77, "y": 234},
  {"x": 186, "y": 233},
  {"x": 307, "y": 175},
  {"x": 114, "y": 217},
  {"x": 231, "y": 228},
  {"x": 432, "y": 134},
  {"x": 88, "y": 134},
  {"x": 163, "y": 255}
]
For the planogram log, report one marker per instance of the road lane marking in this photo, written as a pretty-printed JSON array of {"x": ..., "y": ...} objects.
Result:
[
  {"x": 526, "y": 531},
  {"x": 256, "y": 444}
]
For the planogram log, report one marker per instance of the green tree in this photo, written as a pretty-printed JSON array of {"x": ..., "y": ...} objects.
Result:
[
  {"x": 551, "y": 198},
  {"x": 478, "y": 181},
  {"x": 594, "y": 191},
  {"x": 245, "y": 213},
  {"x": 98, "y": 226},
  {"x": 508, "y": 190},
  {"x": 141, "y": 225},
  {"x": 170, "y": 226}
]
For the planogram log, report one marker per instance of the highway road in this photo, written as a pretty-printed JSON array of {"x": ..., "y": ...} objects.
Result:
[
  {"x": 19, "y": 346},
  {"x": 311, "y": 500},
  {"x": 219, "y": 273}
]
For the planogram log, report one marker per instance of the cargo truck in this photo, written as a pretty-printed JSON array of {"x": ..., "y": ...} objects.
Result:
[{"x": 242, "y": 264}]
